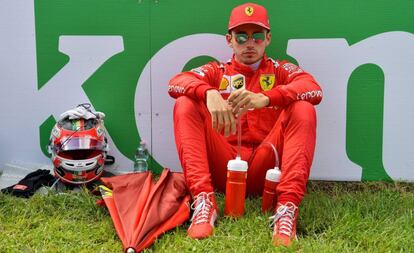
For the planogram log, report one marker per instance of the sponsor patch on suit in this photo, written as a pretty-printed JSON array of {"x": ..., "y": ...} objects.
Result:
[{"x": 238, "y": 81}]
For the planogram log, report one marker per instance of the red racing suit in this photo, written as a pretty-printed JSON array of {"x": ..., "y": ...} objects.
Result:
[{"x": 289, "y": 123}]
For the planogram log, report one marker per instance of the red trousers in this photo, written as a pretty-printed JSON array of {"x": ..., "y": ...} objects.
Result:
[{"x": 204, "y": 153}]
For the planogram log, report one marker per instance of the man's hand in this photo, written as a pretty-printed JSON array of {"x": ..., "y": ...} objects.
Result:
[
  {"x": 221, "y": 113},
  {"x": 242, "y": 100}
]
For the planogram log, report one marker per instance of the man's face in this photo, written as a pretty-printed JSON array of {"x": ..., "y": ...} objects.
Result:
[{"x": 249, "y": 42}]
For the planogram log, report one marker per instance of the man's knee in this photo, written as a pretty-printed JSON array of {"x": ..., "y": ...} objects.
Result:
[
  {"x": 184, "y": 106},
  {"x": 302, "y": 111}
]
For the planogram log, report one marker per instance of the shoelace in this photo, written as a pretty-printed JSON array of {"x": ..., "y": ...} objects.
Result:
[
  {"x": 285, "y": 214},
  {"x": 201, "y": 206}
]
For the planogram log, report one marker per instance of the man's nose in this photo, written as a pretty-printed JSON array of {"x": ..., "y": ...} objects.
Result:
[{"x": 250, "y": 43}]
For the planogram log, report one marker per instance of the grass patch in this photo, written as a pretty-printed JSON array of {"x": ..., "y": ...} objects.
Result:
[{"x": 334, "y": 217}]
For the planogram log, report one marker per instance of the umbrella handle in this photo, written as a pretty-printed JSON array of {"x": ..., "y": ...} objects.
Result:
[{"x": 130, "y": 250}]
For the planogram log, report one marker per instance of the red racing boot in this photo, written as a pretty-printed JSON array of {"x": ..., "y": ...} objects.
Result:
[
  {"x": 284, "y": 222},
  {"x": 204, "y": 216}
]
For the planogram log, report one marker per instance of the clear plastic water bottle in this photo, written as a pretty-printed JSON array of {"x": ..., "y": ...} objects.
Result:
[{"x": 141, "y": 158}]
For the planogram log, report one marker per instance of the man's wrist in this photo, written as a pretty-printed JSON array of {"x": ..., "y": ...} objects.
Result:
[
  {"x": 212, "y": 91},
  {"x": 266, "y": 100},
  {"x": 201, "y": 91}
]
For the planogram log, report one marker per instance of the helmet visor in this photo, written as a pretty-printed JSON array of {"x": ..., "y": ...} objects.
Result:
[{"x": 81, "y": 144}]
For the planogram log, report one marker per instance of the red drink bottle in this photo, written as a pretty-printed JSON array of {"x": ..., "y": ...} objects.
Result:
[
  {"x": 235, "y": 187},
  {"x": 269, "y": 198}
]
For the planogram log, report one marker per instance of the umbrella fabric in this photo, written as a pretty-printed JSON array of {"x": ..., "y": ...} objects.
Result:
[
  {"x": 129, "y": 194},
  {"x": 142, "y": 209},
  {"x": 168, "y": 195},
  {"x": 180, "y": 216},
  {"x": 109, "y": 202}
]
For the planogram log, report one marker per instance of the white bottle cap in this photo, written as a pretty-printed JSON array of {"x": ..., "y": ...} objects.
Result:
[
  {"x": 237, "y": 165},
  {"x": 273, "y": 175}
]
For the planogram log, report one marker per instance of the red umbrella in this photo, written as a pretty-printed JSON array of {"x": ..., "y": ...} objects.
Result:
[{"x": 141, "y": 209}]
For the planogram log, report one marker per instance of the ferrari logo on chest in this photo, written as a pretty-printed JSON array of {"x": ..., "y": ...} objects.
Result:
[{"x": 267, "y": 81}]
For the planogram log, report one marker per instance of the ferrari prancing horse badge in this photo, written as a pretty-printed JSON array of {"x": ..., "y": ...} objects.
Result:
[{"x": 267, "y": 81}]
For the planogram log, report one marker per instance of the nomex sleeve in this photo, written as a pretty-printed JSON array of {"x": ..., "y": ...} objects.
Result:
[
  {"x": 293, "y": 84},
  {"x": 195, "y": 83}
]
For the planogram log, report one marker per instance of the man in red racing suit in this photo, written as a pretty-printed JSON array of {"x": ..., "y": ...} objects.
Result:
[{"x": 275, "y": 102}]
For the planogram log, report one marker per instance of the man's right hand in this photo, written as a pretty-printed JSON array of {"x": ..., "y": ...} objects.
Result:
[{"x": 221, "y": 113}]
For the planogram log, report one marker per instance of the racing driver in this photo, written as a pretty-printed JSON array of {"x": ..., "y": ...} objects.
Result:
[{"x": 275, "y": 100}]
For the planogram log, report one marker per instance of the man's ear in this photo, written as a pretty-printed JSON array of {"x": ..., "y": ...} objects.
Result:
[
  {"x": 228, "y": 39},
  {"x": 268, "y": 38}
]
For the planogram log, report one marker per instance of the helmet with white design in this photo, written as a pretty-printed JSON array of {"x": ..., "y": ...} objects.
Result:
[{"x": 78, "y": 148}]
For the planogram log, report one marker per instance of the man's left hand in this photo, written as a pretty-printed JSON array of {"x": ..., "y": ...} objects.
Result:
[{"x": 242, "y": 100}]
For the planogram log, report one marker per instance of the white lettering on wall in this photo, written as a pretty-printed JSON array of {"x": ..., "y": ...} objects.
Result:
[
  {"x": 23, "y": 108},
  {"x": 332, "y": 61}
]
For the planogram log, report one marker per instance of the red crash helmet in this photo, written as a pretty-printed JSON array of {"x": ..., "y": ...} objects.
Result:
[{"x": 78, "y": 148}]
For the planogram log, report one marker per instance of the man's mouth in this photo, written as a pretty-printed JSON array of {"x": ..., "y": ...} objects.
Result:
[{"x": 249, "y": 52}]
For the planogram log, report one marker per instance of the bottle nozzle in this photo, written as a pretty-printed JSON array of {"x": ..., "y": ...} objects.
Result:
[{"x": 273, "y": 174}]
